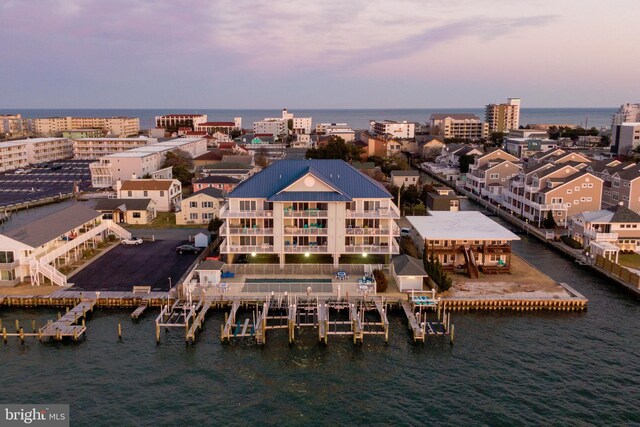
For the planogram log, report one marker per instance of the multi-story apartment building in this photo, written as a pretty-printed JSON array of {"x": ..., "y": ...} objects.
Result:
[
  {"x": 465, "y": 126},
  {"x": 321, "y": 128},
  {"x": 12, "y": 125},
  {"x": 223, "y": 127},
  {"x": 616, "y": 225},
  {"x": 83, "y": 133},
  {"x": 503, "y": 117},
  {"x": 490, "y": 174},
  {"x": 621, "y": 183},
  {"x": 343, "y": 131},
  {"x": 310, "y": 208},
  {"x": 175, "y": 121},
  {"x": 95, "y": 148},
  {"x": 564, "y": 187},
  {"x": 525, "y": 147},
  {"x": 626, "y": 113},
  {"x": 165, "y": 193},
  {"x": 117, "y": 126},
  {"x": 625, "y": 138},
  {"x": 16, "y": 154},
  {"x": 393, "y": 129},
  {"x": 280, "y": 125},
  {"x": 140, "y": 161}
]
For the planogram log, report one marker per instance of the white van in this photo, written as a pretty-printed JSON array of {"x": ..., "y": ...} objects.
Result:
[{"x": 405, "y": 231}]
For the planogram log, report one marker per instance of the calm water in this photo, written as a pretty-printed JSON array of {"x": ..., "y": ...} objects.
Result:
[
  {"x": 357, "y": 118},
  {"x": 505, "y": 369}
]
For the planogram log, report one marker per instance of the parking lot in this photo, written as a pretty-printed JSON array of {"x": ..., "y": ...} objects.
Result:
[
  {"x": 43, "y": 182},
  {"x": 148, "y": 264}
]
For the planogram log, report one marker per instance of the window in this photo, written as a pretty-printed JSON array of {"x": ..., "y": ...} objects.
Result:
[
  {"x": 193, "y": 216},
  {"x": 583, "y": 199},
  {"x": 584, "y": 185},
  {"x": 6, "y": 257},
  {"x": 569, "y": 191},
  {"x": 161, "y": 193},
  {"x": 616, "y": 183},
  {"x": 614, "y": 195},
  {"x": 494, "y": 176},
  {"x": 207, "y": 215},
  {"x": 590, "y": 185},
  {"x": 136, "y": 215},
  {"x": 207, "y": 204},
  {"x": 129, "y": 193},
  {"x": 7, "y": 275},
  {"x": 576, "y": 188},
  {"x": 589, "y": 199},
  {"x": 193, "y": 204},
  {"x": 247, "y": 205},
  {"x": 145, "y": 193}
]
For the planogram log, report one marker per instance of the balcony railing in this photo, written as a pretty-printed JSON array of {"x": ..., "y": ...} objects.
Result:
[
  {"x": 225, "y": 213},
  {"x": 307, "y": 213},
  {"x": 246, "y": 231},
  {"x": 375, "y": 213},
  {"x": 309, "y": 231},
  {"x": 517, "y": 184},
  {"x": 370, "y": 231},
  {"x": 372, "y": 249},
  {"x": 305, "y": 248},
  {"x": 600, "y": 237},
  {"x": 247, "y": 249},
  {"x": 531, "y": 188}
]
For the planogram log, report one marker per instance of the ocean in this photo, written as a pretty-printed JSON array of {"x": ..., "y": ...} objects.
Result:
[
  {"x": 530, "y": 368},
  {"x": 357, "y": 118}
]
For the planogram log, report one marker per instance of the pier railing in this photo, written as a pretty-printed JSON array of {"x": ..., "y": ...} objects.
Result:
[{"x": 299, "y": 269}]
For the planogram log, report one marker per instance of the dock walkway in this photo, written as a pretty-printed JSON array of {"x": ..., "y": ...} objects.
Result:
[{"x": 67, "y": 325}]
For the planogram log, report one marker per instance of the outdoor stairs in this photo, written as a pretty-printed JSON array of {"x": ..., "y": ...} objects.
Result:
[{"x": 470, "y": 259}]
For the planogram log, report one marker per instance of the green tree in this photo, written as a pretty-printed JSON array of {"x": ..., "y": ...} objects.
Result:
[
  {"x": 549, "y": 221},
  {"x": 465, "y": 161},
  {"x": 214, "y": 225},
  {"x": 336, "y": 148},
  {"x": 181, "y": 164},
  {"x": 410, "y": 195}
]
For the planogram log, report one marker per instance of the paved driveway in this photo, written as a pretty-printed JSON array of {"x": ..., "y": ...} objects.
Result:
[{"x": 149, "y": 264}]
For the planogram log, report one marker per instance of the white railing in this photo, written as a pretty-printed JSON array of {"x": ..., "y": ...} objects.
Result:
[
  {"x": 531, "y": 188},
  {"x": 594, "y": 235},
  {"x": 226, "y": 213},
  {"x": 246, "y": 231},
  {"x": 36, "y": 268},
  {"x": 305, "y": 248},
  {"x": 290, "y": 230},
  {"x": 244, "y": 249},
  {"x": 392, "y": 212},
  {"x": 517, "y": 184},
  {"x": 368, "y": 249},
  {"x": 309, "y": 213},
  {"x": 369, "y": 231}
]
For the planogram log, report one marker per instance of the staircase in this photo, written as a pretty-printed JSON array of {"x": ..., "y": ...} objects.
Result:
[
  {"x": 37, "y": 268},
  {"x": 470, "y": 259}
]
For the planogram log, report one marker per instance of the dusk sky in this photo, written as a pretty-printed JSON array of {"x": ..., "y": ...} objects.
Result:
[{"x": 317, "y": 54}]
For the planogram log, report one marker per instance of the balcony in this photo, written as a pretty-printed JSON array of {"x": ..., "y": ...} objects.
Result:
[
  {"x": 600, "y": 237},
  {"x": 375, "y": 213},
  {"x": 373, "y": 249},
  {"x": 517, "y": 184},
  {"x": 291, "y": 230},
  {"x": 244, "y": 249},
  {"x": 225, "y": 213},
  {"x": 353, "y": 231},
  {"x": 294, "y": 249},
  {"x": 246, "y": 231},
  {"x": 307, "y": 213},
  {"x": 531, "y": 188}
]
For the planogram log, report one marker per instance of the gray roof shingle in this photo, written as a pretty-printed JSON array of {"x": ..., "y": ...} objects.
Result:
[{"x": 405, "y": 265}]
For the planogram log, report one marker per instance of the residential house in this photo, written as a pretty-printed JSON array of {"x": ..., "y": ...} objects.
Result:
[
  {"x": 127, "y": 211},
  {"x": 201, "y": 207},
  {"x": 621, "y": 182},
  {"x": 223, "y": 183},
  {"x": 443, "y": 199},
  {"x": 408, "y": 272},
  {"x": 320, "y": 208},
  {"x": 165, "y": 193},
  {"x": 465, "y": 239},
  {"x": 401, "y": 178}
]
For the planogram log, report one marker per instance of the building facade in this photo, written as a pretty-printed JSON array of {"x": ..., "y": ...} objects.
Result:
[
  {"x": 309, "y": 207},
  {"x": 503, "y": 117},
  {"x": 201, "y": 207},
  {"x": 464, "y": 126},
  {"x": 175, "y": 121},
  {"x": 393, "y": 129},
  {"x": 121, "y": 127},
  {"x": 95, "y": 148},
  {"x": 490, "y": 174},
  {"x": 165, "y": 193}
]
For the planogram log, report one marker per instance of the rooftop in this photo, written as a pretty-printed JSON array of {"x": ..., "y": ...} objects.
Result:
[
  {"x": 51, "y": 227},
  {"x": 147, "y": 184},
  {"x": 463, "y": 225},
  {"x": 129, "y": 204},
  {"x": 405, "y": 265},
  {"x": 209, "y": 191}
]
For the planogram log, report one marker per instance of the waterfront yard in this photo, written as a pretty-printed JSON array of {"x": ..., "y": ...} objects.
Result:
[
  {"x": 630, "y": 260},
  {"x": 524, "y": 281}
]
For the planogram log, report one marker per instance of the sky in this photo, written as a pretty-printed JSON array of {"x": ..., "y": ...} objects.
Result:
[{"x": 317, "y": 54}]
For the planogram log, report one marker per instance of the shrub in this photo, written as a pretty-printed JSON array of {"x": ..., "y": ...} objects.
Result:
[
  {"x": 435, "y": 271},
  {"x": 87, "y": 253},
  {"x": 111, "y": 237},
  {"x": 381, "y": 280},
  {"x": 570, "y": 242}
]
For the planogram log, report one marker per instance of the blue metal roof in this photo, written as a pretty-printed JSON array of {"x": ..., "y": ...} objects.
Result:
[
  {"x": 338, "y": 174},
  {"x": 309, "y": 196}
]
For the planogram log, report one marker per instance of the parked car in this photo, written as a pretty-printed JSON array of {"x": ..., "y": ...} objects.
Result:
[
  {"x": 405, "y": 231},
  {"x": 20, "y": 171},
  {"x": 131, "y": 241},
  {"x": 188, "y": 249}
]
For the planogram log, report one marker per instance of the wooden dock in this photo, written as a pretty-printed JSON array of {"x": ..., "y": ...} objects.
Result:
[
  {"x": 323, "y": 321},
  {"x": 199, "y": 320},
  {"x": 139, "y": 311},
  {"x": 414, "y": 324},
  {"x": 227, "y": 331},
  {"x": 67, "y": 325}
]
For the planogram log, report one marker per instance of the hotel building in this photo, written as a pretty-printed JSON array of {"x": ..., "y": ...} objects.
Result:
[
  {"x": 464, "y": 126},
  {"x": 393, "y": 128},
  {"x": 95, "y": 148},
  {"x": 175, "y": 121},
  {"x": 17, "y": 154},
  {"x": 121, "y": 127},
  {"x": 503, "y": 117},
  {"x": 310, "y": 207}
]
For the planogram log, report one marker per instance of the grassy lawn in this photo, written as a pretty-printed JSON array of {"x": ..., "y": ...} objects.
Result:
[
  {"x": 629, "y": 260},
  {"x": 164, "y": 220}
]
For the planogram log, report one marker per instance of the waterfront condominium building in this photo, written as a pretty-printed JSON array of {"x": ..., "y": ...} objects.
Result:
[
  {"x": 625, "y": 137},
  {"x": 94, "y": 148},
  {"x": 116, "y": 126},
  {"x": 503, "y": 117},
  {"x": 558, "y": 183},
  {"x": 309, "y": 208},
  {"x": 617, "y": 225},
  {"x": 175, "y": 121},
  {"x": 626, "y": 113},
  {"x": 16, "y": 154},
  {"x": 223, "y": 127},
  {"x": 464, "y": 126},
  {"x": 621, "y": 183},
  {"x": 490, "y": 174},
  {"x": 393, "y": 128},
  {"x": 141, "y": 161}
]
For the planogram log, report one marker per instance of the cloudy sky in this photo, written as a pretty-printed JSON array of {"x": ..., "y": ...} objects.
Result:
[{"x": 317, "y": 54}]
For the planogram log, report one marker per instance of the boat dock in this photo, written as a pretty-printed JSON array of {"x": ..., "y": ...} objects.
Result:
[{"x": 420, "y": 324}]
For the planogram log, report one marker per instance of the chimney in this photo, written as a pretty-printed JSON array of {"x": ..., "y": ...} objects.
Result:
[{"x": 118, "y": 185}]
